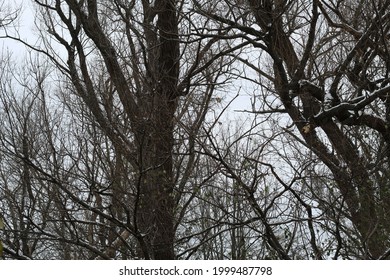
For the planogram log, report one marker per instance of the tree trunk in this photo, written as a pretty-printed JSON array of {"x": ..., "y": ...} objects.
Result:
[
  {"x": 155, "y": 138},
  {"x": 155, "y": 189}
]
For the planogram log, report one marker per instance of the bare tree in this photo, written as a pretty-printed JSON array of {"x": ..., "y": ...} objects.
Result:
[
  {"x": 326, "y": 63},
  {"x": 113, "y": 143},
  {"x": 8, "y": 14},
  {"x": 130, "y": 72}
]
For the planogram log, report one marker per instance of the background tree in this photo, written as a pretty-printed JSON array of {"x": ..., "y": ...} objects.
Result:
[{"x": 8, "y": 14}]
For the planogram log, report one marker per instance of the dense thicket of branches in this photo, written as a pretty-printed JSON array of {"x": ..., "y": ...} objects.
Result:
[{"x": 117, "y": 141}]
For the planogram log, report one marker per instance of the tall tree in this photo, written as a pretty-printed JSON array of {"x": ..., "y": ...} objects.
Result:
[
  {"x": 149, "y": 105},
  {"x": 328, "y": 69},
  {"x": 130, "y": 71}
]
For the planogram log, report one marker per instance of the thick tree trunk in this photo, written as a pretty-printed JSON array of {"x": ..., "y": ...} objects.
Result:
[
  {"x": 155, "y": 207},
  {"x": 156, "y": 138}
]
